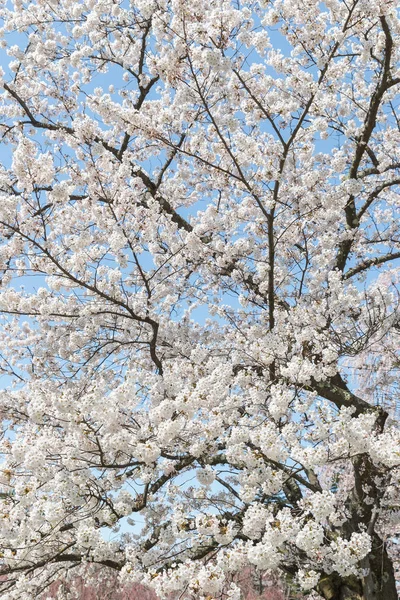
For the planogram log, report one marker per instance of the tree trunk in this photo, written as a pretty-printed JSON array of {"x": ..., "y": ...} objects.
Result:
[{"x": 379, "y": 584}]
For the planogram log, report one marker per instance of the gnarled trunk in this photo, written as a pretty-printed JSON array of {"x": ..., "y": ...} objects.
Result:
[{"x": 378, "y": 584}]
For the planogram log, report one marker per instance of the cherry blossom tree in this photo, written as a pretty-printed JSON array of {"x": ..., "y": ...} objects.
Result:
[
  {"x": 105, "y": 588},
  {"x": 253, "y": 585},
  {"x": 200, "y": 307}
]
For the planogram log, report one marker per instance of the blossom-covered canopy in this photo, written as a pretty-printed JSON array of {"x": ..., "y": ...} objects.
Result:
[{"x": 199, "y": 244}]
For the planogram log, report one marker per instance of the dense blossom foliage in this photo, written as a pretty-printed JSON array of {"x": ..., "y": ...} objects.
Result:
[{"x": 199, "y": 298}]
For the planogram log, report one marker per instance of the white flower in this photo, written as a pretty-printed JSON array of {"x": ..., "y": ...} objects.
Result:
[
  {"x": 205, "y": 476},
  {"x": 308, "y": 579}
]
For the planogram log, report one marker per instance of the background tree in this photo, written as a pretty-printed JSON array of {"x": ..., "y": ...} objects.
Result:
[
  {"x": 199, "y": 238},
  {"x": 101, "y": 584}
]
